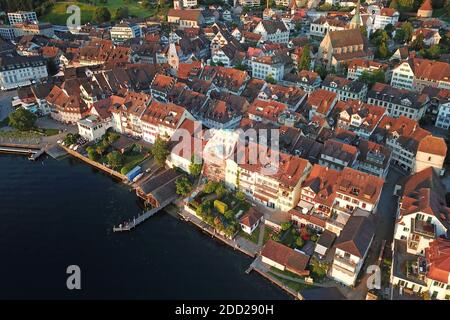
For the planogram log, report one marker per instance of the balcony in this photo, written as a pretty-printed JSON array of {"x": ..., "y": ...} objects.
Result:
[
  {"x": 345, "y": 262},
  {"x": 343, "y": 270}
]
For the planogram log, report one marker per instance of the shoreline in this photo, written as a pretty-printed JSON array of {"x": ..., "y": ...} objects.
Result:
[{"x": 177, "y": 211}]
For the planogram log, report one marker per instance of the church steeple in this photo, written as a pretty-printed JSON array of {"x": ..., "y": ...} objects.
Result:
[{"x": 356, "y": 21}]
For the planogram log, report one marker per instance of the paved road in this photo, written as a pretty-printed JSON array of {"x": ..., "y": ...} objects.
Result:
[
  {"x": 5, "y": 103},
  {"x": 385, "y": 224}
]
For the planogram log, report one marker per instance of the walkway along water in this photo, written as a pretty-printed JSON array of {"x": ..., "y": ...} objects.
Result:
[{"x": 128, "y": 225}]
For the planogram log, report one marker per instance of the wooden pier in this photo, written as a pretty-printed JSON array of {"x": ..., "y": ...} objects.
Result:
[
  {"x": 33, "y": 153},
  {"x": 129, "y": 225}
]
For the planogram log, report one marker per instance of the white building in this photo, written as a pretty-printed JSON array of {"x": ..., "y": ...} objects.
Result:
[
  {"x": 124, "y": 31},
  {"x": 268, "y": 66},
  {"x": 273, "y": 31},
  {"x": 249, "y": 3},
  {"x": 385, "y": 17},
  {"x": 22, "y": 17},
  {"x": 161, "y": 120},
  {"x": 189, "y": 3},
  {"x": 17, "y": 71},
  {"x": 352, "y": 247},
  {"x": 276, "y": 185},
  {"x": 398, "y": 102},
  {"x": 443, "y": 117},
  {"x": 92, "y": 127},
  {"x": 403, "y": 76}
]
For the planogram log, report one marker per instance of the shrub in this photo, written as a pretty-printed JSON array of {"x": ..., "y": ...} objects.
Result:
[{"x": 220, "y": 206}]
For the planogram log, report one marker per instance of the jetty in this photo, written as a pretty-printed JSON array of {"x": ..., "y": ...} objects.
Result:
[
  {"x": 158, "y": 191},
  {"x": 33, "y": 152},
  {"x": 129, "y": 225}
]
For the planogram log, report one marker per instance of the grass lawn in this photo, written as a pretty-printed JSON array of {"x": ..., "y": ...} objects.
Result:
[
  {"x": 48, "y": 132},
  {"x": 288, "y": 238},
  {"x": 296, "y": 286},
  {"x": 58, "y": 14},
  {"x": 251, "y": 237},
  {"x": 255, "y": 235},
  {"x": 132, "y": 161},
  {"x": 16, "y": 134}
]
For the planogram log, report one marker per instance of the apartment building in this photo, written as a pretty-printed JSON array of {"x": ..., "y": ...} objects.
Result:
[
  {"x": 126, "y": 116},
  {"x": 17, "y": 71},
  {"x": 22, "y": 17},
  {"x": 124, "y": 31},
  {"x": 415, "y": 74},
  {"x": 345, "y": 89},
  {"x": 398, "y": 102},
  {"x": 356, "y": 68},
  {"x": 352, "y": 247},
  {"x": 337, "y": 155},
  {"x": 273, "y": 31},
  {"x": 358, "y": 117},
  {"x": 161, "y": 120},
  {"x": 384, "y": 17},
  {"x": 402, "y": 135},
  {"x": 275, "y": 183}
]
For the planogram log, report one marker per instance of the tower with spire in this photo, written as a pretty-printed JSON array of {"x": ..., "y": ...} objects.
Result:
[{"x": 356, "y": 21}]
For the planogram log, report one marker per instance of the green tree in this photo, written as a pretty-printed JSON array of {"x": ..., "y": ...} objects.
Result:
[
  {"x": 305, "y": 59},
  {"x": 122, "y": 12},
  {"x": 159, "y": 151},
  {"x": 363, "y": 30},
  {"x": 393, "y": 4},
  {"x": 221, "y": 191},
  {"x": 115, "y": 159},
  {"x": 399, "y": 36},
  {"x": 22, "y": 119},
  {"x": 382, "y": 50},
  {"x": 183, "y": 186},
  {"x": 418, "y": 44},
  {"x": 299, "y": 242},
  {"x": 92, "y": 154},
  {"x": 240, "y": 196},
  {"x": 270, "y": 79},
  {"x": 389, "y": 29},
  {"x": 286, "y": 225},
  {"x": 407, "y": 29},
  {"x": 113, "y": 136},
  {"x": 434, "y": 52},
  {"x": 210, "y": 187},
  {"x": 100, "y": 150},
  {"x": 322, "y": 71},
  {"x": 229, "y": 215},
  {"x": 370, "y": 78},
  {"x": 195, "y": 168},
  {"x": 102, "y": 15}
]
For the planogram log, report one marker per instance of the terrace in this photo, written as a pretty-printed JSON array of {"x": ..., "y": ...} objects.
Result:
[
  {"x": 408, "y": 266},
  {"x": 423, "y": 228}
]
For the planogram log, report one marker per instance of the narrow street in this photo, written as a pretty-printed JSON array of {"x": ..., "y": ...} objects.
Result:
[
  {"x": 384, "y": 230},
  {"x": 5, "y": 103}
]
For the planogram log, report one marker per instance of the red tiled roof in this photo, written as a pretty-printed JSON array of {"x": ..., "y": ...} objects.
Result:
[
  {"x": 438, "y": 258},
  {"x": 433, "y": 145},
  {"x": 426, "y": 6},
  {"x": 322, "y": 100},
  {"x": 269, "y": 110},
  {"x": 293, "y": 261}
]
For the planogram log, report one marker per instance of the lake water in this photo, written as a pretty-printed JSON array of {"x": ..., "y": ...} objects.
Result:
[{"x": 59, "y": 213}]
